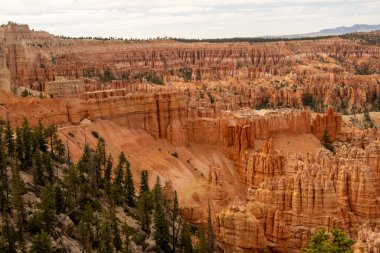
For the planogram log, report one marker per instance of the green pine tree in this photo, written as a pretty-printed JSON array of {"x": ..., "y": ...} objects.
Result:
[
  {"x": 326, "y": 141},
  {"x": 48, "y": 166},
  {"x": 119, "y": 170},
  {"x": 202, "y": 246},
  {"x": 51, "y": 134},
  {"x": 4, "y": 185},
  {"x": 38, "y": 169},
  {"x": 186, "y": 244},
  {"x": 174, "y": 220},
  {"x": 59, "y": 200},
  {"x": 41, "y": 243},
  {"x": 144, "y": 185},
  {"x": 117, "y": 241},
  {"x": 367, "y": 120},
  {"x": 118, "y": 184},
  {"x": 144, "y": 208},
  {"x": 105, "y": 238},
  {"x": 17, "y": 190},
  {"x": 39, "y": 138},
  {"x": 9, "y": 141},
  {"x": 129, "y": 186},
  {"x": 48, "y": 207},
  {"x": 211, "y": 237},
  {"x": 107, "y": 172},
  {"x": 161, "y": 233},
  {"x": 9, "y": 234},
  {"x": 323, "y": 242},
  {"x": 85, "y": 228},
  {"x": 27, "y": 141}
]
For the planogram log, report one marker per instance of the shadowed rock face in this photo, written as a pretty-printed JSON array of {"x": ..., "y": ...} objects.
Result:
[{"x": 228, "y": 151}]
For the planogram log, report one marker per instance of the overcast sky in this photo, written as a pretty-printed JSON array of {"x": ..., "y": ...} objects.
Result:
[{"x": 187, "y": 18}]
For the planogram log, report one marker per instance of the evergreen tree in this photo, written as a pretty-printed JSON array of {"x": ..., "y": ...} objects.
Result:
[
  {"x": 144, "y": 208},
  {"x": 19, "y": 145},
  {"x": 367, "y": 120},
  {"x": 117, "y": 187},
  {"x": 41, "y": 243},
  {"x": 38, "y": 170},
  {"x": 175, "y": 215},
  {"x": 9, "y": 234},
  {"x": 105, "y": 239},
  {"x": 340, "y": 241},
  {"x": 129, "y": 186},
  {"x": 59, "y": 200},
  {"x": 9, "y": 142},
  {"x": 39, "y": 138},
  {"x": 48, "y": 166},
  {"x": 83, "y": 163},
  {"x": 17, "y": 190},
  {"x": 72, "y": 181},
  {"x": 119, "y": 174},
  {"x": 211, "y": 237},
  {"x": 335, "y": 242},
  {"x": 4, "y": 187},
  {"x": 161, "y": 234},
  {"x": 48, "y": 206},
  {"x": 202, "y": 246},
  {"x": 127, "y": 231},
  {"x": 107, "y": 172},
  {"x": 59, "y": 149},
  {"x": 186, "y": 244},
  {"x": 117, "y": 242},
  {"x": 85, "y": 227},
  {"x": 326, "y": 141},
  {"x": 101, "y": 150},
  {"x": 144, "y": 185},
  {"x": 27, "y": 142}
]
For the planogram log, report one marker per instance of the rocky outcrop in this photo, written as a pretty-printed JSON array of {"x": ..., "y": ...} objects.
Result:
[
  {"x": 256, "y": 167},
  {"x": 330, "y": 121},
  {"x": 239, "y": 231},
  {"x": 5, "y": 76},
  {"x": 292, "y": 197},
  {"x": 368, "y": 240},
  {"x": 228, "y": 99}
]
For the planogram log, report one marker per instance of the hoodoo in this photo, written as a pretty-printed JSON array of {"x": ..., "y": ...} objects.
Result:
[{"x": 263, "y": 143}]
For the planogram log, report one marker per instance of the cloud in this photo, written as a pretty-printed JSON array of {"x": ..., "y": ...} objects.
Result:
[{"x": 187, "y": 18}]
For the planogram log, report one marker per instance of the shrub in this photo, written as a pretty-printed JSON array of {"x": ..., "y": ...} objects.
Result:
[
  {"x": 335, "y": 241},
  {"x": 95, "y": 134},
  {"x": 35, "y": 223},
  {"x": 326, "y": 141},
  {"x": 155, "y": 78},
  {"x": 211, "y": 97},
  {"x": 25, "y": 93},
  {"x": 186, "y": 73}
]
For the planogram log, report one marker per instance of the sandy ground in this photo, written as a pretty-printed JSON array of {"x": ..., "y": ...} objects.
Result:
[
  {"x": 188, "y": 173},
  {"x": 375, "y": 116},
  {"x": 304, "y": 143}
]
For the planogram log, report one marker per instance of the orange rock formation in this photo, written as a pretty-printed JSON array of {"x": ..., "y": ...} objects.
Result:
[{"x": 235, "y": 114}]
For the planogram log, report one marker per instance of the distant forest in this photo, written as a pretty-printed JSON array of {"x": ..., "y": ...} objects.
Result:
[{"x": 219, "y": 40}]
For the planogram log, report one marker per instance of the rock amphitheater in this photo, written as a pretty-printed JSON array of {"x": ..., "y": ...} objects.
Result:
[{"x": 245, "y": 121}]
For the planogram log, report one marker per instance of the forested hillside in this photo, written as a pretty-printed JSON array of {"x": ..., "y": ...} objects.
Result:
[{"x": 50, "y": 204}]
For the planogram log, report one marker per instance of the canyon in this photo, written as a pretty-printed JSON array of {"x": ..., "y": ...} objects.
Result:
[{"x": 236, "y": 125}]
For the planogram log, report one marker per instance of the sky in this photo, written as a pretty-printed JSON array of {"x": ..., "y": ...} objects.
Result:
[{"x": 187, "y": 18}]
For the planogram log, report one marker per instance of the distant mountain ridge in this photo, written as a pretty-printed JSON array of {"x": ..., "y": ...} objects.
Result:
[{"x": 332, "y": 31}]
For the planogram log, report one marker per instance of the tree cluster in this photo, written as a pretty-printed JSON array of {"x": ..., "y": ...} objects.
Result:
[{"x": 92, "y": 194}]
